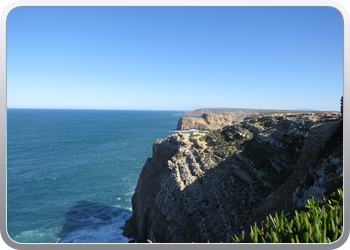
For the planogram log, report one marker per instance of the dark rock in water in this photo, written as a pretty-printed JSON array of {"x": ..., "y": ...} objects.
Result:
[
  {"x": 203, "y": 187},
  {"x": 87, "y": 215},
  {"x": 131, "y": 241}
]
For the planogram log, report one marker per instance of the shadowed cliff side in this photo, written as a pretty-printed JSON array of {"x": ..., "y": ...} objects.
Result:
[
  {"x": 285, "y": 197},
  {"x": 207, "y": 187}
]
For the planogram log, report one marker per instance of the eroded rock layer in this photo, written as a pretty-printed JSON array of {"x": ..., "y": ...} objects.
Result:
[
  {"x": 199, "y": 187},
  {"x": 212, "y": 121}
]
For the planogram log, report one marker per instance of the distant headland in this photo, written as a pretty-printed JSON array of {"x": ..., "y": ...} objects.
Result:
[
  {"x": 201, "y": 111},
  {"x": 215, "y": 118}
]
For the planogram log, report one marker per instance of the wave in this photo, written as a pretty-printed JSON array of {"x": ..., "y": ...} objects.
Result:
[
  {"x": 41, "y": 235},
  {"x": 110, "y": 233},
  {"x": 89, "y": 222}
]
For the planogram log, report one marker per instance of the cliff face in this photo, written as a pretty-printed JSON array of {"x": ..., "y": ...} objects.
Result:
[
  {"x": 212, "y": 121},
  {"x": 207, "y": 187}
]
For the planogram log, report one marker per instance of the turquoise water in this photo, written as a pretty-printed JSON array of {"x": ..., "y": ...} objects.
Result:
[{"x": 71, "y": 173}]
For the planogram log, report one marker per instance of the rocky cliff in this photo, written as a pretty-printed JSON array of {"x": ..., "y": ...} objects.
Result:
[
  {"x": 212, "y": 121},
  {"x": 199, "y": 187}
]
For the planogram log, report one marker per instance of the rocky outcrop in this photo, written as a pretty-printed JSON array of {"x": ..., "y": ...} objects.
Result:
[
  {"x": 199, "y": 187},
  {"x": 193, "y": 113},
  {"x": 201, "y": 112},
  {"x": 212, "y": 121}
]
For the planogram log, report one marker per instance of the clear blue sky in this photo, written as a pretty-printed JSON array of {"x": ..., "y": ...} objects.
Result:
[{"x": 175, "y": 58}]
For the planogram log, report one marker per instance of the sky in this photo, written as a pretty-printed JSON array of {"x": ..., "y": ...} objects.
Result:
[{"x": 175, "y": 58}]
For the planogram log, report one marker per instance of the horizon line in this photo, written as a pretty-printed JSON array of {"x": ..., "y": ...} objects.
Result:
[{"x": 311, "y": 110}]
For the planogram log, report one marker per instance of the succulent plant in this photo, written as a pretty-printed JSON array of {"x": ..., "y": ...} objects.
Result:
[{"x": 321, "y": 223}]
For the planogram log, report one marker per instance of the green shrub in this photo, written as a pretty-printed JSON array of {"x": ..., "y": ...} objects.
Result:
[
  {"x": 337, "y": 182},
  {"x": 321, "y": 223},
  {"x": 254, "y": 120}
]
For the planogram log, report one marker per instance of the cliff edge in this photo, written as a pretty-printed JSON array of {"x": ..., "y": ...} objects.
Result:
[
  {"x": 212, "y": 121},
  {"x": 203, "y": 187}
]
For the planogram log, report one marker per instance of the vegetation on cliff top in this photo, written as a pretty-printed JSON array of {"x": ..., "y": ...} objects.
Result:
[{"x": 322, "y": 222}]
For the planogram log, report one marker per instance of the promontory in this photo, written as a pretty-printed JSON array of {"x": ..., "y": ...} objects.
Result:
[
  {"x": 208, "y": 186},
  {"x": 209, "y": 121}
]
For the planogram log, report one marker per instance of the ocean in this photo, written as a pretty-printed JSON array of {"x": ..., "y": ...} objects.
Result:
[{"x": 71, "y": 173}]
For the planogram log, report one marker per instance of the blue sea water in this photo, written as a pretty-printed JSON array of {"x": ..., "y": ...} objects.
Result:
[{"x": 71, "y": 173}]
